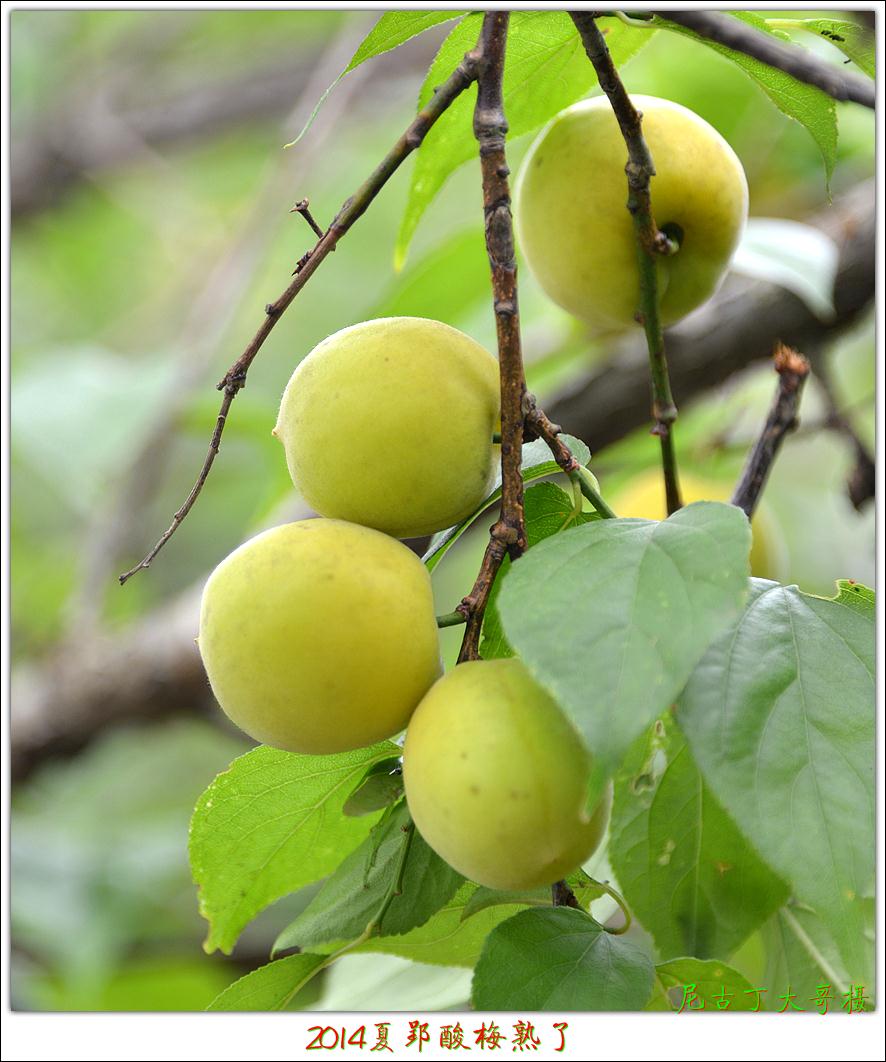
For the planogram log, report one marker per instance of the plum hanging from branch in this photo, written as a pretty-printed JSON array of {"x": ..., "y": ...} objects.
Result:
[{"x": 578, "y": 238}]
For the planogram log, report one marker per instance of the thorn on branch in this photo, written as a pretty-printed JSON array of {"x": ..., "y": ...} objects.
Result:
[
  {"x": 301, "y": 263},
  {"x": 302, "y": 207}
]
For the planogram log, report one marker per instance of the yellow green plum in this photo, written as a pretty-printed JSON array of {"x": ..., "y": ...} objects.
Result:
[
  {"x": 644, "y": 497},
  {"x": 389, "y": 424},
  {"x": 496, "y": 778},
  {"x": 319, "y": 636},
  {"x": 577, "y": 235}
]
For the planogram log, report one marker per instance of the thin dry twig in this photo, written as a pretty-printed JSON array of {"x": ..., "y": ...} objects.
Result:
[
  {"x": 235, "y": 378},
  {"x": 211, "y": 308},
  {"x": 800, "y": 63},
  {"x": 651, "y": 242},
  {"x": 792, "y": 369}
]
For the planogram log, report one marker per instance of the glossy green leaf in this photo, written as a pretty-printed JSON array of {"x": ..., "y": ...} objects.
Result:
[
  {"x": 687, "y": 873},
  {"x": 548, "y": 510},
  {"x": 270, "y": 824},
  {"x": 806, "y": 104},
  {"x": 780, "y": 717},
  {"x": 536, "y": 463},
  {"x": 270, "y": 987},
  {"x": 352, "y": 897},
  {"x": 446, "y": 939},
  {"x": 613, "y": 616},
  {"x": 560, "y": 959},
  {"x": 546, "y": 69}
]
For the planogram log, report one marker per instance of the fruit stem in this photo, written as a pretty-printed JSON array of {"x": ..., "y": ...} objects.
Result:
[
  {"x": 619, "y": 899},
  {"x": 587, "y": 484},
  {"x": 451, "y": 619}
]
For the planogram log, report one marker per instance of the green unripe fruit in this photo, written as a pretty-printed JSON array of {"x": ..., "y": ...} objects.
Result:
[
  {"x": 389, "y": 424},
  {"x": 319, "y": 636},
  {"x": 496, "y": 778},
  {"x": 577, "y": 235}
]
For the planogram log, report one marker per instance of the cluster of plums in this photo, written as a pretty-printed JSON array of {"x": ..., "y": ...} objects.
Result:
[{"x": 320, "y": 636}]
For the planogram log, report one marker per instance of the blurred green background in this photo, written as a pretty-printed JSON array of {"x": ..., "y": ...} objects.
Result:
[{"x": 150, "y": 227}]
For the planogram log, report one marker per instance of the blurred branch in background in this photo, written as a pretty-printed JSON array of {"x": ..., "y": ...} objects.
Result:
[
  {"x": 213, "y": 307},
  {"x": 153, "y": 667},
  {"x": 97, "y": 129},
  {"x": 862, "y": 482}
]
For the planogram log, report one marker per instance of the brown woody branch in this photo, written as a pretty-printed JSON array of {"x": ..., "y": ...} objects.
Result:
[
  {"x": 235, "y": 378},
  {"x": 792, "y": 369},
  {"x": 539, "y": 425},
  {"x": 651, "y": 242},
  {"x": 842, "y": 85},
  {"x": 507, "y": 535}
]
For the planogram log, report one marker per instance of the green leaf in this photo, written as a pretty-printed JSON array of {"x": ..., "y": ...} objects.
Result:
[
  {"x": 445, "y": 939},
  {"x": 854, "y": 41},
  {"x": 800, "y": 953},
  {"x": 712, "y": 985},
  {"x": 560, "y": 959},
  {"x": 548, "y": 510},
  {"x": 392, "y": 29},
  {"x": 381, "y": 786},
  {"x": 270, "y": 987},
  {"x": 780, "y": 717},
  {"x": 856, "y": 595},
  {"x": 685, "y": 870},
  {"x": 585, "y": 888},
  {"x": 796, "y": 256},
  {"x": 395, "y": 28},
  {"x": 613, "y": 616},
  {"x": 536, "y": 462},
  {"x": 268, "y": 825},
  {"x": 806, "y": 104},
  {"x": 351, "y": 898},
  {"x": 546, "y": 69}
]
